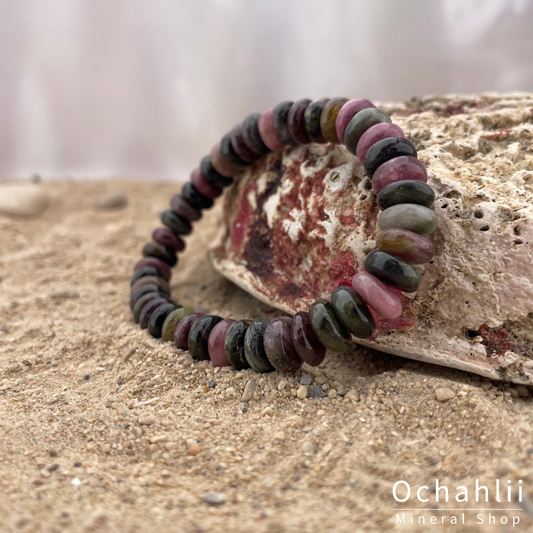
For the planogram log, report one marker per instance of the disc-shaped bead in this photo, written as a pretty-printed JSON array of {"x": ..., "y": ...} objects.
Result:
[
  {"x": 393, "y": 271},
  {"x": 212, "y": 176},
  {"x": 412, "y": 217},
  {"x": 155, "y": 263},
  {"x": 296, "y": 122},
  {"x": 268, "y": 132},
  {"x": 184, "y": 209},
  {"x": 166, "y": 237},
  {"x": 305, "y": 341},
  {"x": 241, "y": 148},
  {"x": 411, "y": 247},
  {"x": 165, "y": 253},
  {"x": 360, "y": 123},
  {"x": 203, "y": 186},
  {"x": 406, "y": 192},
  {"x": 142, "y": 302},
  {"x": 215, "y": 343},
  {"x": 398, "y": 169},
  {"x": 347, "y": 112},
  {"x": 252, "y": 136},
  {"x": 172, "y": 320},
  {"x": 149, "y": 272},
  {"x": 385, "y": 150},
  {"x": 155, "y": 325},
  {"x": 353, "y": 312},
  {"x": 221, "y": 164},
  {"x": 327, "y": 327},
  {"x": 377, "y": 295},
  {"x": 234, "y": 344},
  {"x": 279, "y": 346},
  {"x": 280, "y": 121},
  {"x": 374, "y": 134},
  {"x": 176, "y": 223},
  {"x": 181, "y": 333},
  {"x": 254, "y": 348},
  {"x": 328, "y": 119},
  {"x": 196, "y": 199},
  {"x": 199, "y": 336},
  {"x": 162, "y": 285},
  {"x": 228, "y": 151},
  {"x": 149, "y": 309},
  {"x": 141, "y": 291},
  {"x": 312, "y": 120}
]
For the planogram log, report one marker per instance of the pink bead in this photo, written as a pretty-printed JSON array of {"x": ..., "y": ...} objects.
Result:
[
  {"x": 398, "y": 169},
  {"x": 152, "y": 262},
  {"x": 215, "y": 343},
  {"x": 267, "y": 132},
  {"x": 203, "y": 186},
  {"x": 166, "y": 237},
  {"x": 374, "y": 134},
  {"x": 347, "y": 112},
  {"x": 377, "y": 295},
  {"x": 221, "y": 164}
]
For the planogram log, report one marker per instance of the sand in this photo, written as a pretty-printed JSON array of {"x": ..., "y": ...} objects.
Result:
[{"x": 97, "y": 419}]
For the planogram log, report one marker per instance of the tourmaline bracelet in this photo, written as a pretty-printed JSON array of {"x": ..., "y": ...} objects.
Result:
[{"x": 405, "y": 222}]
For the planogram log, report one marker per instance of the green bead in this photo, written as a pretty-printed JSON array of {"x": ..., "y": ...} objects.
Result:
[
  {"x": 360, "y": 123},
  {"x": 327, "y": 327},
  {"x": 412, "y": 217},
  {"x": 406, "y": 192},
  {"x": 169, "y": 326},
  {"x": 353, "y": 312}
]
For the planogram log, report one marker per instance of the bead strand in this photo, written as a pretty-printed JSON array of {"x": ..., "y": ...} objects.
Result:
[{"x": 399, "y": 182}]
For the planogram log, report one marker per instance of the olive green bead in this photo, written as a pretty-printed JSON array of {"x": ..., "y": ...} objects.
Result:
[
  {"x": 353, "y": 312},
  {"x": 412, "y": 217},
  {"x": 329, "y": 117},
  {"x": 360, "y": 123},
  {"x": 169, "y": 326},
  {"x": 331, "y": 332}
]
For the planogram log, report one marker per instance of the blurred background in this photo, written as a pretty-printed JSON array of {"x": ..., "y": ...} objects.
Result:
[{"x": 143, "y": 88}]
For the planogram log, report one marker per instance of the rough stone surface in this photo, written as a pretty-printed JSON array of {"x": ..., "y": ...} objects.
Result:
[
  {"x": 25, "y": 200},
  {"x": 300, "y": 223}
]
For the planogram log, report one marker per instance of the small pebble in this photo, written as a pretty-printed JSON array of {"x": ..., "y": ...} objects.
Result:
[
  {"x": 212, "y": 384},
  {"x": 307, "y": 447},
  {"x": 53, "y": 453},
  {"x": 214, "y": 498},
  {"x": 23, "y": 200},
  {"x": 249, "y": 390},
  {"x": 268, "y": 411},
  {"x": 306, "y": 379},
  {"x": 444, "y": 394},
  {"x": 316, "y": 392},
  {"x": 113, "y": 201},
  {"x": 522, "y": 391},
  {"x": 302, "y": 392},
  {"x": 280, "y": 435},
  {"x": 65, "y": 294},
  {"x": 193, "y": 447}
]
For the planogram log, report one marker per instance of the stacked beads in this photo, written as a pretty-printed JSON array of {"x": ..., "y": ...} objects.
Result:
[{"x": 406, "y": 220}]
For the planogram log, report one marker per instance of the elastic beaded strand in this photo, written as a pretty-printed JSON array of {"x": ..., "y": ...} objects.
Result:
[{"x": 284, "y": 344}]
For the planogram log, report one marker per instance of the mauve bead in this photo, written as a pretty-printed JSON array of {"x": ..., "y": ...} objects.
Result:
[
  {"x": 280, "y": 121},
  {"x": 374, "y": 134},
  {"x": 162, "y": 285},
  {"x": 305, "y": 341},
  {"x": 234, "y": 344},
  {"x": 353, "y": 312},
  {"x": 212, "y": 176},
  {"x": 407, "y": 245},
  {"x": 406, "y": 192},
  {"x": 240, "y": 146},
  {"x": 166, "y": 254},
  {"x": 394, "y": 271},
  {"x": 377, "y": 295},
  {"x": 329, "y": 117},
  {"x": 199, "y": 336},
  {"x": 148, "y": 272},
  {"x": 312, "y": 120},
  {"x": 267, "y": 131},
  {"x": 142, "y": 302},
  {"x": 176, "y": 223},
  {"x": 171, "y": 322},
  {"x": 166, "y": 237},
  {"x": 279, "y": 347},
  {"x": 398, "y": 169},
  {"x": 139, "y": 292},
  {"x": 155, "y": 325},
  {"x": 412, "y": 217},
  {"x": 385, "y": 150},
  {"x": 347, "y": 112},
  {"x": 153, "y": 262},
  {"x": 360, "y": 123},
  {"x": 252, "y": 136},
  {"x": 228, "y": 151},
  {"x": 195, "y": 198},
  {"x": 254, "y": 348},
  {"x": 221, "y": 164},
  {"x": 184, "y": 209},
  {"x": 215, "y": 343},
  {"x": 181, "y": 334},
  {"x": 203, "y": 186},
  {"x": 297, "y": 121},
  {"x": 146, "y": 313}
]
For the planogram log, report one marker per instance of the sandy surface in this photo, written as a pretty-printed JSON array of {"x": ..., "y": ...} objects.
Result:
[{"x": 96, "y": 417}]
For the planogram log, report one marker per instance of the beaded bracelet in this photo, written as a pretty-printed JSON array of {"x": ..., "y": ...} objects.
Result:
[{"x": 405, "y": 222}]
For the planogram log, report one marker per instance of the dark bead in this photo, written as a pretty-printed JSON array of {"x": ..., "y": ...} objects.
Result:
[
  {"x": 305, "y": 341},
  {"x": 296, "y": 121},
  {"x": 254, "y": 348},
  {"x": 280, "y": 121},
  {"x": 149, "y": 309},
  {"x": 158, "y": 318},
  {"x": 406, "y": 192},
  {"x": 148, "y": 271},
  {"x": 153, "y": 262},
  {"x": 362, "y": 121},
  {"x": 153, "y": 249},
  {"x": 145, "y": 289},
  {"x": 196, "y": 199},
  {"x": 279, "y": 346},
  {"x": 160, "y": 283},
  {"x": 353, "y": 312},
  {"x": 240, "y": 146},
  {"x": 181, "y": 334},
  {"x": 228, "y": 151},
  {"x": 393, "y": 271},
  {"x": 176, "y": 223},
  {"x": 184, "y": 209},
  {"x": 234, "y": 344},
  {"x": 212, "y": 176},
  {"x": 142, "y": 302},
  {"x": 331, "y": 332},
  {"x": 251, "y": 135},
  {"x": 167, "y": 237},
  {"x": 385, "y": 150},
  {"x": 312, "y": 120},
  {"x": 199, "y": 336}
]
